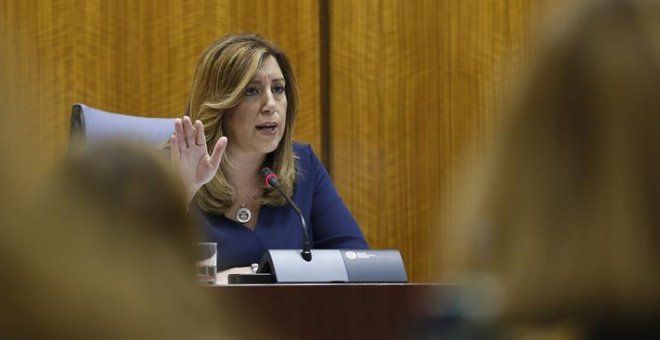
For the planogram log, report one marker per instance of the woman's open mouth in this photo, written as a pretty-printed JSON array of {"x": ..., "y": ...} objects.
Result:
[{"x": 267, "y": 128}]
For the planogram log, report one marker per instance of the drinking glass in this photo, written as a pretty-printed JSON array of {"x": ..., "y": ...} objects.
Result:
[{"x": 207, "y": 262}]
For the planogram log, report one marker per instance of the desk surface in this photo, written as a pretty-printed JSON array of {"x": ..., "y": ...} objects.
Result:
[{"x": 331, "y": 311}]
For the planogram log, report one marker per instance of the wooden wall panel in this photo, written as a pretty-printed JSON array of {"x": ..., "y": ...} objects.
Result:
[
  {"x": 138, "y": 56},
  {"x": 413, "y": 86},
  {"x": 389, "y": 87}
]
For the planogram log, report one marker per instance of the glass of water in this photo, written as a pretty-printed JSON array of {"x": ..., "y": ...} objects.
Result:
[{"x": 207, "y": 262}]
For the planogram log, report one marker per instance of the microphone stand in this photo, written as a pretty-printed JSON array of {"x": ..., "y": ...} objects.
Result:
[
  {"x": 271, "y": 180},
  {"x": 329, "y": 265},
  {"x": 307, "y": 248}
]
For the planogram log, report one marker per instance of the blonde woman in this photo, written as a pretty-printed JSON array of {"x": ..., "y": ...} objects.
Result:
[{"x": 243, "y": 103}]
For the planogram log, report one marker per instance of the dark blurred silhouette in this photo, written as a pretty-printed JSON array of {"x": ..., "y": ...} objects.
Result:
[
  {"x": 563, "y": 224},
  {"x": 132, "y": 184},
  {"x": 106, "y": 251}
]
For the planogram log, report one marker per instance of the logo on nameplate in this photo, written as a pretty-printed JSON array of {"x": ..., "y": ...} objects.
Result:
[{"x": 352, "y": 255}]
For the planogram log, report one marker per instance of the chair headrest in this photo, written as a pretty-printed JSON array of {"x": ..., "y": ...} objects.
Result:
[{"x": 93, "y": 125}]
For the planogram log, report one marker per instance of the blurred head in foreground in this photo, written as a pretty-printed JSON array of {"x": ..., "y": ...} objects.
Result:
[
  {"x": 566, "y": 222},
  {"x": 105, "y": 252},
  {"x": 128, "y": 185}
]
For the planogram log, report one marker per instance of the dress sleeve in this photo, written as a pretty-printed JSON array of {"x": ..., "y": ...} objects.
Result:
[{"x": 332, "y": 223}]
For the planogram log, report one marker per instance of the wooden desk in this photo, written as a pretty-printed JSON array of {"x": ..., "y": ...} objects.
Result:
[{"x": 330, "y": 311}]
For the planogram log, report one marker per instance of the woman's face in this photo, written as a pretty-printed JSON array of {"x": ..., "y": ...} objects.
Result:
[{"x": 256, "y": 124}]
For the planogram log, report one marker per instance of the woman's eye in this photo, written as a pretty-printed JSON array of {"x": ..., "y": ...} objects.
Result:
[
  {"x": 251, "y": 91},
  {"x": 278, "y": 89}
]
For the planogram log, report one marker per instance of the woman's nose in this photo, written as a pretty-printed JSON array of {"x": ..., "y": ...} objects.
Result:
[{"x": 268, "y": 102}]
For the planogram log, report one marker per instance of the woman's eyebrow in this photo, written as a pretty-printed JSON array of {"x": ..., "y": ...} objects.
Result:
[{"x": 258, "y": 81}]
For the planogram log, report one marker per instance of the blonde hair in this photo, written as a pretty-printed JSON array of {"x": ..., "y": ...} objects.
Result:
[
  {"x": 568, "y": 218},
  {"x": 222, "y": 74}
]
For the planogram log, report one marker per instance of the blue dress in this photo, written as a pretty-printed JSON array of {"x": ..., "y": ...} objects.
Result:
[{"x": 330, "y": 224}]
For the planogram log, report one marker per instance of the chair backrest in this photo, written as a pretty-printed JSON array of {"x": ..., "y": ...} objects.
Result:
[{"x": 93, "y": 125}]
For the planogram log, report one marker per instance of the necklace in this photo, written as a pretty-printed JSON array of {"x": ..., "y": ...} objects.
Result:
[{"x": 243, "y": 214}]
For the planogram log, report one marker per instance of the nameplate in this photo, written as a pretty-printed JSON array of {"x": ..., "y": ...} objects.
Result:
[{"x": 334, "y": 266}]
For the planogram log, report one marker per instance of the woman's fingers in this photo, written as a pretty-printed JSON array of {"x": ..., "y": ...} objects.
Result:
[
  {"x": 188, "y": 132},
  {"x": 174, "y": 148},
  {"x": 200, "y": 139},
  {"x": 218, "y": 150},
  {"x": 188, "y": 135},
  {"x": 179, "y": 135}
]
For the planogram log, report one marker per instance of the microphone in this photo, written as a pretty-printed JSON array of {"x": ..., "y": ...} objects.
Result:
[
  {"x": 272, "y": 181},
  {"x": 329, "y": 265}
]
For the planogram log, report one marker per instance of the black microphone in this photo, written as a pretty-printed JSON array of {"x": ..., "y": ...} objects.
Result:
[{"x": 272, "y": 181}]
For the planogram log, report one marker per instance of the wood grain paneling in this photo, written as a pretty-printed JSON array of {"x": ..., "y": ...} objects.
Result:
[
  {"x": 389, "y": 86},
  {"x": 413, "y": 87},
  {"x": 138, "y": 56}
]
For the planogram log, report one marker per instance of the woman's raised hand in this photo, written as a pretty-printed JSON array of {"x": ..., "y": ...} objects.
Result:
[{"x": 188, "y": 145}]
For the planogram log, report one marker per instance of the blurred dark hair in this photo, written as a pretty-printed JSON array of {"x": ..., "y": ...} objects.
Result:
[{"x": 128, "y": 184}]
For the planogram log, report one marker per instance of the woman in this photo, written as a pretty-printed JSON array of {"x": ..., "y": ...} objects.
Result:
[{"x": 243, "y": 103}]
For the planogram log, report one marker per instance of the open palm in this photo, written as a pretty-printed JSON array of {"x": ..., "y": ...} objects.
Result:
[{"x": 189, "y": 150}]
